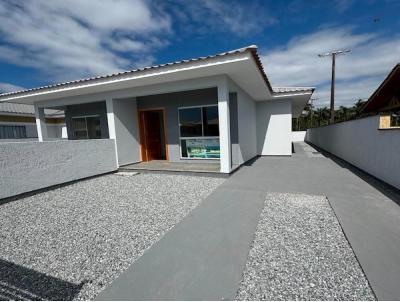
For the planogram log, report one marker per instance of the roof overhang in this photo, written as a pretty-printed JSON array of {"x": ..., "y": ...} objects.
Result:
[
  {"x": 298, "y": 100},
  {"x": 388, "y": 90},
  {"x": 243, "y": 66}
]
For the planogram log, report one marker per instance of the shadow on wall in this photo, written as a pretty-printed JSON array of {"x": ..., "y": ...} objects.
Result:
[
  {"x": 383, "y": 187},
  {"x": 20, "y": 283},
  {"x": 251, "y": 162}
]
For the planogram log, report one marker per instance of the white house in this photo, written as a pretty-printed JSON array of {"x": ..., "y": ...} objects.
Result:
[{"x": 209, "y": 109}]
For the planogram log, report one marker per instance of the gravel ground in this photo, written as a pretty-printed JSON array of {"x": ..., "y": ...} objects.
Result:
[
  {"x": 300, "y": 253},
  {"x": 71, "y": 242}
]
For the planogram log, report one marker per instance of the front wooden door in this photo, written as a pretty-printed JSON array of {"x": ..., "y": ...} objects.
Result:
[{"x": 152, "y": 135}]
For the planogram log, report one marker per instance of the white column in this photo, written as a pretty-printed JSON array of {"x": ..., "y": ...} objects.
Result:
[
  {"x": 111, "y": 124},
  {"x": 40, "y": 123},
  {"x": 224, "y": 127}
]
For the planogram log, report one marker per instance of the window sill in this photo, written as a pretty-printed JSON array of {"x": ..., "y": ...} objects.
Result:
[
  {"x": 199, "y": 158},
  {"x": 390, "y": 128}
]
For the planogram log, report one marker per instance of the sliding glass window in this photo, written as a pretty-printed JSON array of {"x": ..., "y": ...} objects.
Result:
[
  {"x": 86, "y": 127},
  {"x": 199, "y": 132},
  {"x": 190, "y": 122}
]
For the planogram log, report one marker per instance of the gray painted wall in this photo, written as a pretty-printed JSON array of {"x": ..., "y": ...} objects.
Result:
[
  {"x": 126, "y": 130},
  {"x": 360, "y": 143},
  {"x": 31, "y": 130},
  {"x": 54, "y": 131},
  {"x": 97, "y": 108},
  {"x": 28, "y": 166},
  {"x": 247, "y": 132},
  {"x": 233, "y": 116},
  {"x": 171, "y": 102}
]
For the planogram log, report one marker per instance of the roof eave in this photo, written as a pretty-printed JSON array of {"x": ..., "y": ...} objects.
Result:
[
  {"x": 13, "y": 95},
  {"x": 367, "y": 104},
  {"x": 87, "y": 86}
]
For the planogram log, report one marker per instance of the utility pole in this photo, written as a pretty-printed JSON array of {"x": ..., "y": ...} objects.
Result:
[{"x": 333, "y": 54}]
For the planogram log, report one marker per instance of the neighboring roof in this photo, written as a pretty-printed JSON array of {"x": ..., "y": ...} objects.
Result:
[
  {"x": 78, "y": 83},
  {"x": 292, "y": 89},
  {"x": 387, "y": 96},
  {"x": 23, "y": 109}
]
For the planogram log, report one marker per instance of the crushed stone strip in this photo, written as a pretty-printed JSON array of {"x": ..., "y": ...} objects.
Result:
[
  {"x": 300, "y": 253},
  {"x": 72, "y": 242}
]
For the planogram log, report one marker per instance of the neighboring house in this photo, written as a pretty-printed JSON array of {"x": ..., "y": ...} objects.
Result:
[
  {"x": 17, "y": 121},
  {"x": 215, "y": 108},
  {"x": 385, "y": 101}
]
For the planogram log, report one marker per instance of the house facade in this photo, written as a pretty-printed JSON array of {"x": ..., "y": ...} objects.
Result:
[
  {"x": 17, "y": 121},
  {"x": 218, "y": 108}
]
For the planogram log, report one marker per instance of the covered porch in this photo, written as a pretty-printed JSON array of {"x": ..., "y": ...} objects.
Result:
[{"x": 184, "y": 126}]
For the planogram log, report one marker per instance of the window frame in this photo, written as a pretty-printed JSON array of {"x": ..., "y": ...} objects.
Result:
[
  {"x": 86, "y": 125},
  {"x": 195, "y": 137},
  {"x": 395, "y": 119}
]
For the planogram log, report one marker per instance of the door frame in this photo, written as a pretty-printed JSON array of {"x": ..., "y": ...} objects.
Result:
[{"x": 142, "y": 136}]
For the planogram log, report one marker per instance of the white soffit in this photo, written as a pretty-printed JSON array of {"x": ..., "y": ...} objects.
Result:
[{"x": 298, "y": 104}]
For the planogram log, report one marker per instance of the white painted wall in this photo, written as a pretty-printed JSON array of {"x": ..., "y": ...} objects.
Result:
[
  {"x": 40, "y": 123},
  {"x": 274, "y": 127},
  {"x": 64, "y": 132},
  {"x": 224, "y": 127},
  {"x": 28, "y": 166},
  {"x": 298, "y": 136},
  {"x": 363, "y": 145},
  {"x": 126, "y": 131}
]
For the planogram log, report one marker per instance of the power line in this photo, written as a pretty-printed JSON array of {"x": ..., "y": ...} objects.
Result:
[{"x": 333, "y": 54}]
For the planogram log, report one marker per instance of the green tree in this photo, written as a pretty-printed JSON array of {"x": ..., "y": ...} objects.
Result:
[{"x": 316, "y": 117}]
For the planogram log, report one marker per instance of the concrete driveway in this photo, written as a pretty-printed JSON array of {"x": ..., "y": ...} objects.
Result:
[{"x": 203, "y": 257}]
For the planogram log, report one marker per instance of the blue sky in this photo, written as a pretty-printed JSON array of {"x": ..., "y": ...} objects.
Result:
[{"x": 43, "y": 42}]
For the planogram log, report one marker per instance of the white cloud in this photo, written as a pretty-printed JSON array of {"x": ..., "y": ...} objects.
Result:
[
  {"x": 132, "y": 15},
  {"x": 234, "y": 17},
  {"x": 342, "y": 5},
  {"x": 7, "y": 87},
  {"x": 72, "y": 39},
  {"x": 347, "y": 92},
  {"x": 358, "y": 73}
]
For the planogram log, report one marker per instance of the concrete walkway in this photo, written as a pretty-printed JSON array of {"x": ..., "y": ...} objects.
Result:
[{"x": 203, "y": 257}]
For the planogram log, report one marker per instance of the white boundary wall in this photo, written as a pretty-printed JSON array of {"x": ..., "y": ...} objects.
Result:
[
  {"x": 28, "y": 166},
  {"x": 298, "y": 136},
  {"x": 360, "y": 143}
]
